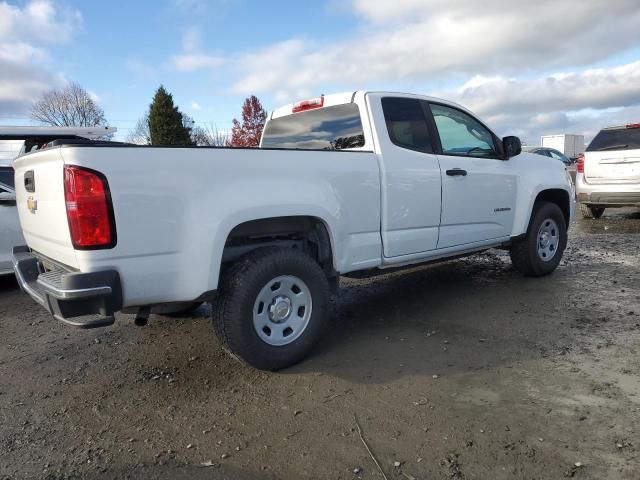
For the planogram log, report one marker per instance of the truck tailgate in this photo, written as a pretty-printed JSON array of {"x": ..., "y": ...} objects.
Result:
[{"x": 41, "y": 205}]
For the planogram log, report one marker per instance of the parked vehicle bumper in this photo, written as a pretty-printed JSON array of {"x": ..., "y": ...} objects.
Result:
[
  {"x": 607, "y": 194},
  {"x": 85, "y": 300}
]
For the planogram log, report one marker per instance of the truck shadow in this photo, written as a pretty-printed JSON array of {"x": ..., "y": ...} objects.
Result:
[
  {"x": 454, "y": 317},
  {"x": 8, "y": 283}
]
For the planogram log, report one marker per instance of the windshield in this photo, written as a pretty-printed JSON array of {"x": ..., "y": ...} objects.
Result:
[
  {"x": 615, "y": 139},
  {"x": 329, "y": 128}
]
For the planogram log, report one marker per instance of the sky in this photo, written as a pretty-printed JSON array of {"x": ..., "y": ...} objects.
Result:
[{"x": 526, "y": 68}]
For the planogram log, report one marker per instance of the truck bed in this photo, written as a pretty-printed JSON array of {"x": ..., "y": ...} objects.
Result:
[{"x": 172, "y": 208}]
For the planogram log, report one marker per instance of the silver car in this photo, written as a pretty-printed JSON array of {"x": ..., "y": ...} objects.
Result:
[
  {"x": 608, "y": 174},
  {"x": 10, "y": 232}
]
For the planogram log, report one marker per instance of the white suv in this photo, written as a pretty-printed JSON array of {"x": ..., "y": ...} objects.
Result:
[{"x": 608, "y": 174}]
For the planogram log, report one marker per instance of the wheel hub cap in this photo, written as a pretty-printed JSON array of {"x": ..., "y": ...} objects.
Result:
[
  {"x": 544, "y": 239},
  {"x": 548, "y": 240},
  {"x": 282, "y": 310}
]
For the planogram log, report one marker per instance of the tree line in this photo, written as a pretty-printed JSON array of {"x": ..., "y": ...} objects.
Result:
[{"x": 162, "y": 124}]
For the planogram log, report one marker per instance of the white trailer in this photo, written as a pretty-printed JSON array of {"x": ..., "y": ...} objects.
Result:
[{"x": 570, "y": 145}]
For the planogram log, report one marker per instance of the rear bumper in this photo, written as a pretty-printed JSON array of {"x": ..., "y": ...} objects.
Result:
[
  {"x": 612, "y": 199},
  {"x": 613, "y": 195},
  {"x": 85, "y": 300}
]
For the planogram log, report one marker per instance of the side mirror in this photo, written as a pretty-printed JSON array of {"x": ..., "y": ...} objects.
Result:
[{"x": 511, "y": 146}]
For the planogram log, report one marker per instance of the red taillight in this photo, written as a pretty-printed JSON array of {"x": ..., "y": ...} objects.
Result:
[
  {"x": 89, "y": 210},
  {"x": 308, "y": 104},
  {"x": 580, "y": 163},
  {"x": 633, "y": 125}
]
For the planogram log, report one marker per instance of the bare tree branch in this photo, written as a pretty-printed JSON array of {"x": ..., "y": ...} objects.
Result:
[
  {"x": 69, "y": 106},
  {"x": 140, "y": 134},
  {"x": 209, "y": 136}
]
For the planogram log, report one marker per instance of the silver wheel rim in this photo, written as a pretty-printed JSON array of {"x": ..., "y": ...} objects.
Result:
[
  {"x": 548, "y": 240},
  {"x": 282, "y": 310}
]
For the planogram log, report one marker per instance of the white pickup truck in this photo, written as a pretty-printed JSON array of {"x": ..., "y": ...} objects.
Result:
[{"x": 345, "y": 183}]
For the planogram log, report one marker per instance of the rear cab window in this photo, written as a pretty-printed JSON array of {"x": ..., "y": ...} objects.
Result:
[
  {"x": 616, "y": 138},
  {"x": 337, "y": 127}
]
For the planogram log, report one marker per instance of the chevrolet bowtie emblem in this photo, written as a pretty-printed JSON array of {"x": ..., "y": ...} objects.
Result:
[{"x": 32, "y": 205}]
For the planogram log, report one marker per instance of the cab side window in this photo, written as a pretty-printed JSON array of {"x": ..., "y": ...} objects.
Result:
[
  {"x": 407, "y": 124},
  {"x": 461, "y": 134}
]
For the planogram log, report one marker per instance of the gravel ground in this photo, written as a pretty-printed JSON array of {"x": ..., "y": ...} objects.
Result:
[{"x": 462, "y": 370}]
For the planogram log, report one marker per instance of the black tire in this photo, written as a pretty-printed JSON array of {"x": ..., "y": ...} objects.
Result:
[
  {"x": 524, "y": 253},
  {"x": 232, "y": 312},
  {"x": 591, "y": 211}
]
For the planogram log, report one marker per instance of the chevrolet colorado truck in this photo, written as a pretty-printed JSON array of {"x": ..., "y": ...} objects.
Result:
[{"x": 345, "y": 184}]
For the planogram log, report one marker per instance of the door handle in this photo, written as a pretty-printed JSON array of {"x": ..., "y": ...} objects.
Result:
[{"x": 457, "y": 172}]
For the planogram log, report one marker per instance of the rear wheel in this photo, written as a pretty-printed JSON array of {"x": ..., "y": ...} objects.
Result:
[
  {"x": 272, "y": 307},
  {"x": 591, "y": 211},
  {"x": 540, "y": 252}
]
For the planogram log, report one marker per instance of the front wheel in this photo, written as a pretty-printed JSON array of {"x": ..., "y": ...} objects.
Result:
[
  {"x": 272, "y": 307},
  {"x": 540, "y": 252}
]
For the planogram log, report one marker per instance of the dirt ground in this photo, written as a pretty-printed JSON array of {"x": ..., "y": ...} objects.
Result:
[{"x": 462, "y": 370}]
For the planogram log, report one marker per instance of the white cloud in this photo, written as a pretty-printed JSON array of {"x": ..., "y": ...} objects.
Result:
[
  {"x": 501, "y": 51},
  {"x": 386, "y": 11},
  {"x": 191, "y": 62},
  {"x": 94, "y": 96},
  {"x": 191, "y": 6},
  {"x": 39, "y": 22},
  {"x": 264, "y": 69},
  {"x": 590, "y": 89},
  {"x": 530, "y": 127},
  {"x": 25, "y": 35},
  {"x": 195, "y": 105},
  {"x": 438, "y": 40},
  {"x": 192, "y": 58},
  {"x": 587, "y": 100},
  {"x": 141, "y": 68},
  {"x": 22, "y": 52},
  {"x": 192, "y": 39},
  {"x": 202, "y": 7}
]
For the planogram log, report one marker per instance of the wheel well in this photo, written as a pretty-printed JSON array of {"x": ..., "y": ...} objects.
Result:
[
  {"x": 559, "y": 197},
  {"x": 308, "y": 234}
]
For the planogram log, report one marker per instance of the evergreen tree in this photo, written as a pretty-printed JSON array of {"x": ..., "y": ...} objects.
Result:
[{"x": 166, "y": 125}]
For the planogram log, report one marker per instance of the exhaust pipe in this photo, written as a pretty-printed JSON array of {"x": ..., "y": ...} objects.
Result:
[{"x": 142, "y": 317}]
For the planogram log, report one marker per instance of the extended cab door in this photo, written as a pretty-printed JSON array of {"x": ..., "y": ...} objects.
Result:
[
  {"x": 478, "y": 185},
  {"x": 410, "y": 176}
]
